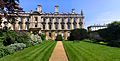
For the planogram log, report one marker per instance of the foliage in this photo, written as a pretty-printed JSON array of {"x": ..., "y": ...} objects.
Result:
[
  {"x": 85, "y": 51},
  {"x": 35, "y": 39},
  {"x": 59, "y": 38},
  {"x": 41, "y": 52},
  {"x": 78, "y": 34},
  {"x": 23, "y": 37},
  {"x": 95, "y": 37},
  {"x": 15, "y": 47},
  {"x": 42, "y": 36},
  {"x": 9, "y": 37},
  {"x": 111, "y": 34},
  {"x": 11, "y": 49},
  {"x": 4, "y": 52},
  {"x": 11, "y": 5}
]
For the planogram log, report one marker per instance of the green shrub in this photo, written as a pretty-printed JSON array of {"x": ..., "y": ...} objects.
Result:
[
  {"x": 4, "y": 52},
  {"x": 9, "y": 37},
  {"x": 42, "y": 36},
  {"x": 59, "y": 38},
  {"x": 78, "y": 34},
  {"x": 24, "y": 37},
  {"x": 111, "y": 34}
]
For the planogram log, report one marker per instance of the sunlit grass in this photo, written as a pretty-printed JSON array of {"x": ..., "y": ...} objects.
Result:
[
  {"x": 85, "y": 51},
  {"x": 40, "y": 52}
]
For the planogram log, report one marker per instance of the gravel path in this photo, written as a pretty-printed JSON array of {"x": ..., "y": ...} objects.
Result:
[{"x": 58, "y": 53}]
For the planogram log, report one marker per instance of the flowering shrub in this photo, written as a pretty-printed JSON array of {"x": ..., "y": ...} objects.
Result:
[
  {"x": 36, "y": 39},
  {"x": 15, "y": 47}
]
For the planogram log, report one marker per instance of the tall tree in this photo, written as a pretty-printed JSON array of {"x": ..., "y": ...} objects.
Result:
[
  {"x": 111, "y": 34},
  {"x": 10, "y": 5}
]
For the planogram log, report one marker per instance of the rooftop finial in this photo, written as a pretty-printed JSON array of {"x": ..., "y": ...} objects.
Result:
[{"x": 82, "y": 12}]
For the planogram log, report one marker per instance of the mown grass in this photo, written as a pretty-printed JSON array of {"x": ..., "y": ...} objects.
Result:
[
  {"x": 40, "y": 52},
  {"x": 85, "y": 51}
]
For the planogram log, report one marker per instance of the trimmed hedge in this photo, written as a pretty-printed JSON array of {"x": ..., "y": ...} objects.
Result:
[
  {"x": 78, "y": 34},
  {"x": 59, "y": 38}
]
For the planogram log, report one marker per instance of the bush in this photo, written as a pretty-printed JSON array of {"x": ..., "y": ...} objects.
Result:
[
  {"x": 59, "y": 38},
  {"x": 78, "y": 34},
  {"x": 36, "y": 39},
  {"x": 111, "y": 34},
  {"x": 15, "y": 47},
  {"x": 4, "y": 52},
  {"x": 95, "y": 37},
  {"x": 42, "y": 36},
  {"x": 114, "y": 43},
  {"x": 24, "y": 37},
  {"x": 9, "y": 37}
]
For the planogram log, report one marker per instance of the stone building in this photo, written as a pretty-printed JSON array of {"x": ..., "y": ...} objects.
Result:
[
  {"x": 96, "y": 27},
  {"x": 51, "y": 24}
]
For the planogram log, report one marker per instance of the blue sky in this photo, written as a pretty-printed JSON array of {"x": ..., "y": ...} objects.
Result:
[{"x": 95, "y": 11}]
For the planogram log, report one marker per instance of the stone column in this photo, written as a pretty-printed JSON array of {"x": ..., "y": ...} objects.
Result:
[
  {"x": 78, "y": 20},
  {"x": 23, "y": 24},
  {"x": 59, "y": 32},
  {"x": 65, "y": 35},
  {"x": 82, "y": 22},
  {"x": 66, "y": 20},
  {"x": 12, "y": 27},
  {"x": 47, "y": 35},
  {"x": 53, "y": 35},
  {"x": 53, "y": 25},
  {"x": 31, "y": 22},
  {"x": 59, "y": 25},
  {"x": 47, "y": 26},
  {"x": 16, "y": 25},
  {"x": 41, "y": 24},
  {"x": 18, "y": 20},
  {"x": 72, "y": 26}
]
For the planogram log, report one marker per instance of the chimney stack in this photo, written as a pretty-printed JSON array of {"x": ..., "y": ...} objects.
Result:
[
  {"x": 73, "y": 11},
  {"x": 39, "y": 8},
  {"x": 56, "y": 8}
]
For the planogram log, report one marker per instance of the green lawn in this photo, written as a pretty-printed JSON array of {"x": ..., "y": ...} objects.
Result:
[
  {"x": 40, "y": 52},
  {"x": 85, "y": 51}
]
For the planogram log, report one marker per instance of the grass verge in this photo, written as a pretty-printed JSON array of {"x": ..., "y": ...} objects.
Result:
[{"x": 84, "y": 51}]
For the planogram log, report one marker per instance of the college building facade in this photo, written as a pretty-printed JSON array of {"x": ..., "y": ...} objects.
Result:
[{"x": 51, "y": 24}]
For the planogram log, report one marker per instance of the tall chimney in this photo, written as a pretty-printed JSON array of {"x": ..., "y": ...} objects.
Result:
[
  {"x": 56, "y": 8},
  {"x": 73, "y": 11},
  {"x": 39, "y": 8}
]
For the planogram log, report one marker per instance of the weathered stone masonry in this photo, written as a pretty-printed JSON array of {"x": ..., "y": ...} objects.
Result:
[{"x": 51, "y": 24}]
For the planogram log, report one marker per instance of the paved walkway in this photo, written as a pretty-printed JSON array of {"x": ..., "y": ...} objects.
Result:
[{"x": 58, "y": 53}]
